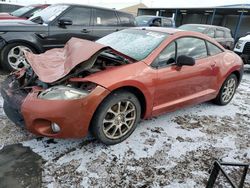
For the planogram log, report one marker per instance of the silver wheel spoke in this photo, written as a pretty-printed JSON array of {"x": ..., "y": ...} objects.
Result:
[
  {"x": 115, "y": 130},
  {"x": 16, "y": 58},
  {"x": 119, "y": 119},
  {"x": 228, "y": 90}
]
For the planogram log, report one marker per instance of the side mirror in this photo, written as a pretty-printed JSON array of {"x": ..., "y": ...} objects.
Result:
[
  {"x": 65, "y": 21},
  {"x": 185, "y": 60}
]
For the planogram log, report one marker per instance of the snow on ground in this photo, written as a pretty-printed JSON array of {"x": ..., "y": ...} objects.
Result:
[{"x": 174, "y": 150}]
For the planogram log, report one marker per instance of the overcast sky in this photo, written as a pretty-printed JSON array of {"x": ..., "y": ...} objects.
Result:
[{"x": 150, "y": 3}]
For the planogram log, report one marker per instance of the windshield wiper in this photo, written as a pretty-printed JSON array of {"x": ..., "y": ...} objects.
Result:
[{"x": 116, "y": 56}]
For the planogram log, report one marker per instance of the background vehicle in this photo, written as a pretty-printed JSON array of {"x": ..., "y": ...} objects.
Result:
[
  {"x": 23, "y": 13},
  {"x": 242, "y": 48},
  {"x": 53, "y": 27},
  {"x": 76, "y": 93},
  {"x": 220, "y": 34},
  {"x": 156, "y": 21},
  {"x": 8, "y": 7}
]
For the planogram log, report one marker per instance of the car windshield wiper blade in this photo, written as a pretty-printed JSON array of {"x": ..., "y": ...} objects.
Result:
[{"x": 119, "y": 57}]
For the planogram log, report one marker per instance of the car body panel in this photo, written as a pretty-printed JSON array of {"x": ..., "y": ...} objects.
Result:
[
  {"x": 57, "y": 63},
  {"x": 77, "y": 116},
  {"x": 7, "y": 16}
]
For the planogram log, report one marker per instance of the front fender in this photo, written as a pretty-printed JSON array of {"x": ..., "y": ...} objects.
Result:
[{"x": 28, "y": 38}]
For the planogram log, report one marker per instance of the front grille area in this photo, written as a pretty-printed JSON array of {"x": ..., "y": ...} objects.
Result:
[{"x": 247, "y": 49}]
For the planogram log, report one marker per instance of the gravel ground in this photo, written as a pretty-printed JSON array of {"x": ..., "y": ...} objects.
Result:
[{"x": 173, "y": 150}]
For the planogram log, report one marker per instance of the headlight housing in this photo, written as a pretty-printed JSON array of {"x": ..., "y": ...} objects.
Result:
[
  {"x": 239, "y": 43},
  {"x": 62, "y": 93}
]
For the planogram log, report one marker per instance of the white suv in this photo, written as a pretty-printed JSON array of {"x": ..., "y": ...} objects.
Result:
[{"x": 242, "y": 48}]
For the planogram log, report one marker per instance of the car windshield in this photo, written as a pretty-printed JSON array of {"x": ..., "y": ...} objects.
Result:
[
  {"x": 196, "y": 28},
  {"x": 137, "y": 44},
  {"x": 21, "y": 11},
  {"x": 142, "y": 20},
  {"x": 49, "y": 14}
]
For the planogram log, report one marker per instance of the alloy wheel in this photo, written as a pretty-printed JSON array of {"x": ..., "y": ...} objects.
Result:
[
  {"x": 119, "y": 119},
  {"x": 228, "y": 90},
  {"x": 16, "y": 57}
]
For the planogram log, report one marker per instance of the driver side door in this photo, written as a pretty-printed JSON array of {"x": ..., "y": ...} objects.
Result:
[
  {"x": 178, "y": 86},
  {"x": 80, "y": 27}
]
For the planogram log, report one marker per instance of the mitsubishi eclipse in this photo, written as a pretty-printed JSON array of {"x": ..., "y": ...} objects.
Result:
[{"x": 107, "y": 86}]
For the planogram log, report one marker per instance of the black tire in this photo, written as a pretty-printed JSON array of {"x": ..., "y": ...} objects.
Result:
[
  {"x": 219, "y": 99},
  {"x": 97, "y": 126},
  {"x": 4, "y": 55}
]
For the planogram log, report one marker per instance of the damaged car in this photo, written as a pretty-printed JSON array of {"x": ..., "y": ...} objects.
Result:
[{"x": 107, "y": 86}]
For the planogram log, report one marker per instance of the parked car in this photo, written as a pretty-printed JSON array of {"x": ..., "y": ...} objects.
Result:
[
  {"x": 107, "y": 86},
  {"x": 23, "y": 13},
  {"x": 222, "y": 35},
  {"x": 8, "y": 7},
  {"x": 53, "y": 27},
  {"x": 242, "y": 48},
  {"x": 156, "y": 21}
]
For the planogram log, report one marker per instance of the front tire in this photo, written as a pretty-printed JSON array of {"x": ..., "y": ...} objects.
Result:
[
  {"x": 116, "y": 118},
  {"x": 227, "y": 90},
  {"x": 12, "y": 56}
]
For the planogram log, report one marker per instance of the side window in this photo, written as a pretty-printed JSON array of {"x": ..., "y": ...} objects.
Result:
[
  {"x": 192, "y": 47},
  {"x": 167, "y": 22},
  {"x": 167, "y": 56},
  {"x": 219, "y": 34},
  {"x": 213, "y": 49},
  {"x": 210, "y": 33},
  {"x": 126, "y": 19},
  {"x": 105, "y": 18},
  {"x": 157, "y": 22},
  {"x": 79, "y": 15}
]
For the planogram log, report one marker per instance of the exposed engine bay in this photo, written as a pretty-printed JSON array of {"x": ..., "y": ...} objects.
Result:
[{"x": 102, "y": 61}]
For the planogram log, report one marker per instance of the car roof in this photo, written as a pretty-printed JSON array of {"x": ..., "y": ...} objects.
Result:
[
  {"x": 167, "y": 30},
  {"x": 209, "y": 26},
  {"x": 90, "y": 6},
  {"x": 153, "y": 16}
]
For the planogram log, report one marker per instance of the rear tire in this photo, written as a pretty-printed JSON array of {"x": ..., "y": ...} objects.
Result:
[
  {"x": 116, "y": 118},
  {"x": 227, "y": 91},
  {"x": 12, "y": 57}
]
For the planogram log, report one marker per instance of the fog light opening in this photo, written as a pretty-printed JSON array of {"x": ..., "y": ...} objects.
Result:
[{"x": 55, "y": 128}]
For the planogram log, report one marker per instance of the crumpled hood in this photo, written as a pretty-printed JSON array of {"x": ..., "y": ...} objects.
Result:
[{"x": 56, "y": 63}]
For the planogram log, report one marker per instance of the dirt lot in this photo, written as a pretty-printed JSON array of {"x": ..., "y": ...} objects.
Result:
[{"x": 173, "y": 150}]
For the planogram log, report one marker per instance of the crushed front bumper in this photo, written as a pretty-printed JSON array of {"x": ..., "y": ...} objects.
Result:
[
  {"x": 73, "y": 116},
  {"x": 13, "y": 99}
]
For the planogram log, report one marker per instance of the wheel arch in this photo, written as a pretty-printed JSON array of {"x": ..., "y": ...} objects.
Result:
[
  {"x": 139, "y": 94},
  {"x": 30, "y": 44}
]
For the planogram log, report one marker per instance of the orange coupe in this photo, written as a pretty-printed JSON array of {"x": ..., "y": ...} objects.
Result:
[{"x": 107, "y": 86}]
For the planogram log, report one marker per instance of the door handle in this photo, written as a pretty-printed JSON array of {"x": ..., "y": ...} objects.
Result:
[{"x": 85, "y": 31}]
